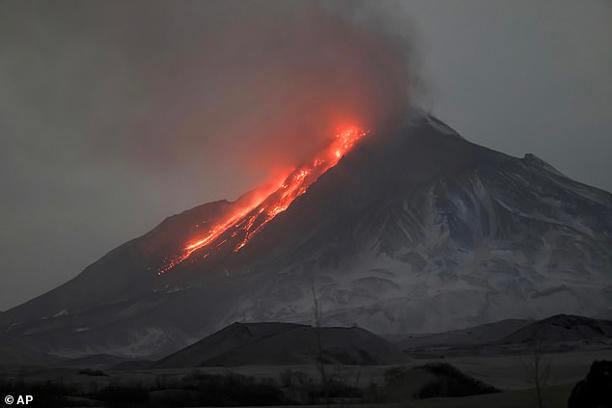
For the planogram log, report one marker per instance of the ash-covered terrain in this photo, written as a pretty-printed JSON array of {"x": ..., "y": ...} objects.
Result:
[{"x": 414, "y": 230}]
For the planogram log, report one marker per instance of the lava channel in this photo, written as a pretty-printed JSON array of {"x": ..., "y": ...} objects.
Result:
[{"x": 244, "y": 223}]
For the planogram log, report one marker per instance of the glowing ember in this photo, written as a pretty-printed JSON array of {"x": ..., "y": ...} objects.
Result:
[{"x": 247, "y": 221}]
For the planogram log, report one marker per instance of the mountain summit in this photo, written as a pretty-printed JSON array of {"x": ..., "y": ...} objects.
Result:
[{"x": 413, "y": 229}]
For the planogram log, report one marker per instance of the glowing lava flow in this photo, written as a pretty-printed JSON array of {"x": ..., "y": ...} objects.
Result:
[{"x": 242, "y": 225}]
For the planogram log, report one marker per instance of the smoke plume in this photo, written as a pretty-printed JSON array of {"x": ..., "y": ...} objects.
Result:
[
  {"x": 261, "y": 84},
  {"x": 256, "y": 84}
]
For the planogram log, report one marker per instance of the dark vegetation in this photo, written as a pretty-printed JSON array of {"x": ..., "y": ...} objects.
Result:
[
  {"x": 122, "y": 395},
  {"x": 450, "y": 382},
  {"x": 595, "y": 390},
  {"x": 194, "y": 389},
  {"x": 304, "y": 389},
  {"x": 430, "y": 381},
  {"x": 290, "y": 388},
  {"x": 222, "y": 390},
  {"x": 92, "y": 372}
]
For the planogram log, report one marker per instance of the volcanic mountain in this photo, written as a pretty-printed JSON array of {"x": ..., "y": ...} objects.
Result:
[{"x": 410, "y": 228}]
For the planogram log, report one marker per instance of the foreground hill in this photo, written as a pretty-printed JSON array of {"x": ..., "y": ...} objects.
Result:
[
  {"x": 414, "y": 230},
  {"x": 562, "y": 329},
  {"x": 225, "y": 340},
  {"x": 553, "y": 334},
  {"x": 471, "y": 336},
  {"x": 286, "y": 344}
]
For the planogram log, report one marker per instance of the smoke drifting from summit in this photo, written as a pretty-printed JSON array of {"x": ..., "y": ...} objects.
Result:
[
  {"x": 262, "y": 84},
  {"x": 255, "y": 84},
  {"x": 298, "y": 72}
]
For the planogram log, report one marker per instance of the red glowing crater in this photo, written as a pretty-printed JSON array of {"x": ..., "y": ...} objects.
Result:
[{"x": 245, "y": 222}]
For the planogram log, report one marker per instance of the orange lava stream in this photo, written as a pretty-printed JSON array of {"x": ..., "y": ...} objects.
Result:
[{"x": 247, "y": 221}]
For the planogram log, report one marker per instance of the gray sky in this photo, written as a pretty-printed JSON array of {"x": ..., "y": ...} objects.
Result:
[{"x": 114, "y": 116}]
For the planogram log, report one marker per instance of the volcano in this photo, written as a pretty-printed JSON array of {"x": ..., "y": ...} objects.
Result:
[{"x": 408, "y": 228}]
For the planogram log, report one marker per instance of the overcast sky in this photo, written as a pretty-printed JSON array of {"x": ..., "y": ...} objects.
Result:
[{"x": 114, "y": 115}]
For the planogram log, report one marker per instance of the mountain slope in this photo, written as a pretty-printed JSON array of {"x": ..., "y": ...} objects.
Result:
[
  {"x": 561, "y": 328},
  {"x": 471, "y": 336},
  {"x": 414, "y": 230},
  {"x": 284, "y": 344},
  {"x": 14, "y": 353},
  {"x": 557, "y": 332}
]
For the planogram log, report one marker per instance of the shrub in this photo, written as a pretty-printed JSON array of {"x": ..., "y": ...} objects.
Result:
[
  {"x": 233, "y": 389},
  {"x": 450, "y": 382},
  {"x": 122, "y": 394},
  {"x": 93, "y": 373}
]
